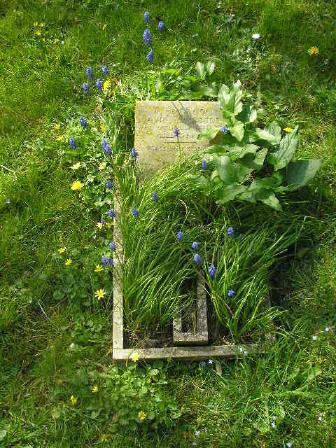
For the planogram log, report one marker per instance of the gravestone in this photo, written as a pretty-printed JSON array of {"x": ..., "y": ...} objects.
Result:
[{"x": 155, "y": 122}]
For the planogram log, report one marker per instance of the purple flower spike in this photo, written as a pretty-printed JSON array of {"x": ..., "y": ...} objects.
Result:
[
  {"x": 146, "y": 17},
  {"x": 109, "y": 184},
  {"x": 147, "y": 37},
  {"x": 212, "y": 271},
  {"x": 105, "y": 70},
  {"x": 195, "y": 245},
  {"x": 197, "y": 259},
  {"x": 83, "y": 122},
  {"x": 112, "y": 245},
  {"x": 106, "y": 261},
  {"x": 89, "y": 72},
  {"x": 99, "y": 84},
  {"x": 161, "y": 26},
  {"x": 231, "y": 293},
  {"x": 85, "y": 87},
  {"x": 135, "y": 212},
  {"x": 224, "y": 130},
  {"x": 204, "y": 165},
  {"x": 230, "y": 232},
  {"x": 150, "y": 57},
  {"x": 176, "y": 132},
  {"x": 179, "y": 235},
  {"x": 112, "y": 213},
  {"x": 72, "y": 143},
  {"x": 155, "y": 196},
  {"x": 134, "y": 153}
]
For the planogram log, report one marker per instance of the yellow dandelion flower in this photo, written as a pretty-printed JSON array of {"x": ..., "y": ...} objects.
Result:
[
  {"x": 95, "y": 389},
  {"x": 37, "y": 33},
  {"x": 73, "y": 400},
  {"x": 142, "y": 415},
  {"x": 99, "y": 268},
  {"x": 104, "y": 438},
  {"x": 76, "y": 166},
  {"x": 42, "y": 24},
  {"x": 102, "y": 166},
  {"x": 60, "y": 138},
  {"x": 135, "y": 357},
  {"x": 104, "y": 26},
  {"x": 288, "y": 130},
  {"x": 61, "y": 250},
  {"x": 68, "y": 262},
  {"x": 107, "y": 86},
  {"x": 77, "y": 185},
  {"x": 313, "y": 51},
  {"x": 99, "y": 225},
  {"x": 103, "y": 128},
  {"x": 35, "y": 24},
  {"x": 57, "y": 127},
  {"x": 100, "y": 294}
]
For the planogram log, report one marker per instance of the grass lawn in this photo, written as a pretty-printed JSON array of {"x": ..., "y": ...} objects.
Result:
[{"x": 58, "y": 387}]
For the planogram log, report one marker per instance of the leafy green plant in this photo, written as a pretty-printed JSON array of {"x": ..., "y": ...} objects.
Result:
[{"x": 248, "y": 163}]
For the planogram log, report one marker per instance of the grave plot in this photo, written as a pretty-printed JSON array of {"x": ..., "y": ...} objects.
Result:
[{"x": 192, "y": 277}]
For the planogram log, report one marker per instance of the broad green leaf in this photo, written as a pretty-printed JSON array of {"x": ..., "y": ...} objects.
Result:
[
  {"x": 275, "y": 130},
  {"x": 248, "y": 114},
  {"x": 238, "y": 152},
  {"x": 255, "y": 162},
  {"x": 230, "y": 172},
  {"x": 210, "y": 67},
  {"x": 237, "y": 130},
  {"x": 208, "y": 134},
  {"x": 229, "y": 192},
  {"x": 200, "y": 70},
  {"x": 264, "y": 134},
  {"x": 272, "y": 201},
  {"x": 284, "y": 154},
  {"x": 230, "y": 100},
  {"x": 300, "y": 172}
]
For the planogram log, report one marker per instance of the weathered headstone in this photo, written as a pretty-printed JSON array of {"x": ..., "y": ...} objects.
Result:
[{"x": 155, "y": 122}]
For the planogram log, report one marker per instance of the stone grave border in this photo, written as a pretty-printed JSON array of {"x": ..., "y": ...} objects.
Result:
[{"x": 187, "y": 353}]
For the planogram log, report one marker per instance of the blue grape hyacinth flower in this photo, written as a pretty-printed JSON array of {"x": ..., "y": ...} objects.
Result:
[
  {"x": 150, "y": 57},
  {"x": 231, "y": 293},
  {"x": 230, "y": 232},
  {"x": 179, "y": 235},
  {"x": 161, "y": 26},
  {"x": 134, "y": 154},
  {"x": 112, "y": 213},
  {"x": 99, "y": 84},
  {"x": 85, "y": 87},
  {"x": 146, "y": 17},
  {"x": 89, "y": 72},
  {"x": 83, "y": 122},
  {"x": 105, "y": 70},
  {"x": 102, "y": 221},
  {"x": 106, "y": 147},
  {"x": 224, "y": 130},
  {"x": 147, "y": 37},
  {"x": 135, "y": 212},
  {"x": 155, "y": 196},
  {"x": 197, "y": 259},
  {"x": 212, "y": 271},
  {"x": 112, "y": 245},
  {"x": 109, "y": 184},
  {"x": 195, "y": 245},
  {"x": 72, "y": 143},
  {"x": 106, "y": 261},
  {"x": 176, "y": 132},
  {"x": 204, "y": 164}
]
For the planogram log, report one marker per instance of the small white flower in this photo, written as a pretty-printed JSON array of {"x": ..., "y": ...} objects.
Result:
[
  {"x": 8, "y": 201},
  {"x": 273, "y": 424},
  {"x": 197, "y": 433},
  {"x": 314, "y": 337},
  {"x": 327, "y": 329},
  {"x": 210, "y": 361},
  {"x": 72, "y": 346},
  {"x": 256, "y": 36},
  {"x": 289, "y": 444}
]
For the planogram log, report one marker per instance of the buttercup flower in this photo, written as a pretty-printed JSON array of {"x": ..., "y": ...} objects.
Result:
[
  {"x": 99, "y": 84},
  {"x": 107, "y": 85},
  {"x": 106, "y": 261},
  {"x": 98, "y": 268},
  {"x": 112, "y": 213},
  {"x": 230, "y": 232},
  {"x": 195, "y": 245},
  {"x": 161, "y": 26},
  {"x": 68, "y": 262},
  {"x": 197, "y": 259},
  {"x": 212, "y": 271},
  {"x": 135, "y": 357},
  {"x": 179, "y": 235},
  {"x": 109, "y": 184},
  {"x": 146, "y": 17},
  {"x": 112, "y": 245},
  {"x": 135, "y": 212},
  {"x": 72, "y": 143},
  {"x": 150, "y": 57},
  {"x": 85, "y": 87},
  {"x": 83, "y": 122},
  {"x": 77, "y": 185},
  {"x": 204, "y": 165},
  {"x": 155, "y": 196},
  {"x": 224, "y": 129},
  {"x": 142, "y": 416},
  {"x": 95, "y": 389},
  {"x": 231, "y": 293},
  {"x": 73, "y": 400},
  {"x": 147, "y": 37},
  {"x": 100, "y": 294},
  {"x": 102, "y": 166},
  {"x": 313, "y": 51},
  {"x": 105, "y": 70},
  {"x": 134, "y": 154},
  {"x": 89, "y": 72},
  {"x": 176, "y": 132},
  {"x": 61, "y": 250},
  {"x": 288, "y": 130}
]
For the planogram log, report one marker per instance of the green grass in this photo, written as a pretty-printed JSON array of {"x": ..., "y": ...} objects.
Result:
[{"x": 55, "y": 337}]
